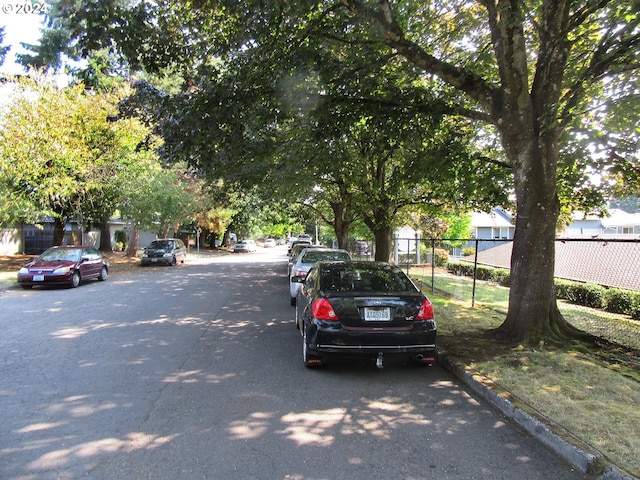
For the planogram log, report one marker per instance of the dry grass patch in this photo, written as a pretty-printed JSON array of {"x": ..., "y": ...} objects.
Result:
[{"x": 592, "y": 392}]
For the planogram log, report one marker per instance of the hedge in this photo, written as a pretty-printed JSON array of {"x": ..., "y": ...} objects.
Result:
[{"x": 615, "y": 300}]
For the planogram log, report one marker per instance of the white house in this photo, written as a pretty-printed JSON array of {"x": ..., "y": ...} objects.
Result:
[
  {"x": 493, "y": 225},
  {"x": 619, "y": 223}
]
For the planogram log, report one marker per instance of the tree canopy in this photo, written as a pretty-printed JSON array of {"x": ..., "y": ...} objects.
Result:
[{"x": 554, "y": 85}]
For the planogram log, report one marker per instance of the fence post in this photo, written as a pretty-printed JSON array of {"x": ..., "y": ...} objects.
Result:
[
  {"x": 433, "y": 264},
  {"x": 395, "y": 249},
  {"x": 408, "y": 255},
  {"x": 475, "y": 268}
]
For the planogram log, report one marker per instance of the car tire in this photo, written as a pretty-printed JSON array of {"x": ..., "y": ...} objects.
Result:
[
  {"x": 174, "y": 262},
  {"x": 104, "y": 273},
  {"x": 75, "y": 279},
  {"x": 27, "y": 287},
  {"x": 310, "y": 361},
  {"x": 293, "y": 301},
  {"x": 297, "y": 319}
]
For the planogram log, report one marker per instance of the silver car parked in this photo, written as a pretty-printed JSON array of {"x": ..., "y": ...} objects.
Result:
[{"x": 306, "y": 259}]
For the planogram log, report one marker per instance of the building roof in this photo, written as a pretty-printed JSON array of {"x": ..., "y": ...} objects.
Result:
[
  {"x": 609, "y": 263},
  {"x": 496, "y": 218}
]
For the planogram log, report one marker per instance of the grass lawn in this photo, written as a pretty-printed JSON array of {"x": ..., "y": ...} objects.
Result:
[{"x": 594, "y": 393}]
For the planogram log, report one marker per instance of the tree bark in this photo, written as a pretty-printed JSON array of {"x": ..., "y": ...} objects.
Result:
[
  {"x": 58, "y": 230},
  {"x": 134, "y": 238},
  {"x": 384, "y": 242},
  {"x": 105, "y": 236},
  {"x": 342, "y": 219}
]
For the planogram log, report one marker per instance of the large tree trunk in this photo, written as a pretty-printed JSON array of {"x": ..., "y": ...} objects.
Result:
[
  {"x": 342, "y": 219},
  {"x": 384, "y": 242},
  {"x": 105, "y": 236},
  {"x": 533, "y": 315},
  {"x": 134, "y": 238},
  {"x": 58, "y": 230}
]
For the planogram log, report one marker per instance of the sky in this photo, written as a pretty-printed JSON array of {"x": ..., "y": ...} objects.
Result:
[{"x": 18, "y": 27}]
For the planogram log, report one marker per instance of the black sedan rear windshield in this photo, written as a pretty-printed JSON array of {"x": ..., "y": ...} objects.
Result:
[{"x": 343, "y": 279}]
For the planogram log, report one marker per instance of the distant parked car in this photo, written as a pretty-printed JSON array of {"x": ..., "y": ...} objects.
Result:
[
  {"x": 164, "y": 250},
  {"x": 64, "y": 265},
  {"x": 297, "y": 242},
  {"x": 307, "y": 258},
  {"x": 269, "y": 243},
  {"x": 363, "y": 309},
  {"x": 244, "y": 246},
  {"x": 362, "y": 247},
  {"x": 295, "y": 251}
]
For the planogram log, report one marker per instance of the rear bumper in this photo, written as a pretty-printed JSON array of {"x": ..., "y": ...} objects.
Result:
[{"x": 328, "y": 338}]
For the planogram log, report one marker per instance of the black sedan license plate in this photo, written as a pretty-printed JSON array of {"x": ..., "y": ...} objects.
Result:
[{"x": 377, "y": 314}]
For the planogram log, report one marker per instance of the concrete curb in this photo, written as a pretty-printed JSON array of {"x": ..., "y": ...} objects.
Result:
[{"x": 577, "y": 453}]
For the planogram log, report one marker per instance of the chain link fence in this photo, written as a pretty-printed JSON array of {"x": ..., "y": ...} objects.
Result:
[{"x": 597, "y": 280}]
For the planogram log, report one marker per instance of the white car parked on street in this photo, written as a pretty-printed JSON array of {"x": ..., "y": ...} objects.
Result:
[{"x": 307, "y": 258}]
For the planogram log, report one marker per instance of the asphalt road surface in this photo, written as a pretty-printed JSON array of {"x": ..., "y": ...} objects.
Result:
[{"x": 195, "y": 372}]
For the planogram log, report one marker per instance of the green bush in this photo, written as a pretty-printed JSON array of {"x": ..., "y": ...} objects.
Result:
[
  {"x": 614, "y": 300},
  {"x": 121, "y": 240},
  {"x": 587, "y": 294},
  {"x": 502, "y": 276},
  {"x": 442, "y": 257},
  {"x": 617, "y": 300},
  {"x": 635, "y": 307},
  {"x": 460, "y": 268}
]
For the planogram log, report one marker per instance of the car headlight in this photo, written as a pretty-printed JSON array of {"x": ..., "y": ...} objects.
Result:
[
  {"x": 62, "y": 270},
  {"x": 145, "y": 255},
  {"x": 23, "y": 271},
  {"x": 168, "y": 255}
]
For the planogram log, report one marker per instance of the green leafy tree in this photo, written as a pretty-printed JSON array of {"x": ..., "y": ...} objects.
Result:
[
  {"x": 60, "y": 155},
  {"x": 542, "y": 76},
  {"x": 546, "y": 64}
]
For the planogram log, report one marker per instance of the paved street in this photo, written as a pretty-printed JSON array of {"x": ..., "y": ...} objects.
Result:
[{"x": 195, "y": 372}]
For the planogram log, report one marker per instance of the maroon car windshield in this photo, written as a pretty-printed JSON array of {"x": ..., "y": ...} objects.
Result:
[{"x": 61, "y": 255}]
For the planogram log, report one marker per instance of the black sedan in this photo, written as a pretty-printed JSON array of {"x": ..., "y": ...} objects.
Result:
[
  {"x": 366, "y": 310},
  {"x": 66, "y": 265}
]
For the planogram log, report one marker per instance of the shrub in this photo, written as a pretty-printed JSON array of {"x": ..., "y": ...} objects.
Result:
[
  {"x": 587, "y": 294},
  {"x": 441, "y": 257},
  {"x": 617, "y": 300},
  {"x": 121, "y": 240},
  {"x": 460, "y": 268},
  {"x": 502, "y": 276},
  {"x": 562, "y": 288}
]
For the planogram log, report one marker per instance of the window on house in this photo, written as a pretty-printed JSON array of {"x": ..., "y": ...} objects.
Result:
[{"x": 501, "y": 232}]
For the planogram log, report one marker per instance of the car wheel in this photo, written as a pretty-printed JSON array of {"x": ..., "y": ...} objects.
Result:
[
  {"x": 310, "y": 361},
  {"x": 174, "y": 261},
  {"x": 75, "y": 279},
  {"x": 27, "y": 287},
  {"x": 297, "y": 317},
  {"x": 103, "y": 274},
  {"x": 293, "y": 301}
]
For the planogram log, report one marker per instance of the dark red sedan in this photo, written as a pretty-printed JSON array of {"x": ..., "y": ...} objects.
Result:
[{"x": 65, "y": 265}]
